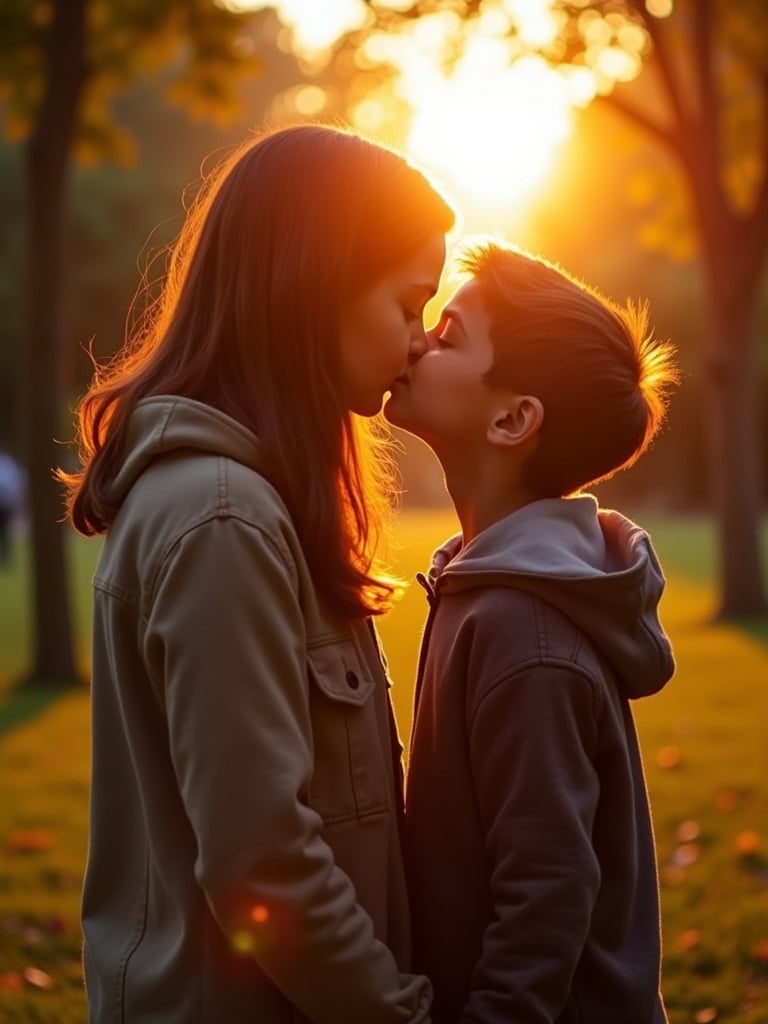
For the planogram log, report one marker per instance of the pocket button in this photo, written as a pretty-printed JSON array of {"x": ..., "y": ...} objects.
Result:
[{"x": 352, "y": 681}]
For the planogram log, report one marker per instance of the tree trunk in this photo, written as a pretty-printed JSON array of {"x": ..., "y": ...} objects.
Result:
[
  {"x": 45, "y": 166},
  {"x": 731, "y": 412}
]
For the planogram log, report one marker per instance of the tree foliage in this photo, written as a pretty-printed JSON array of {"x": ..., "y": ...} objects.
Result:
[
  {"x": 692, "y": 76},
  {"x": 200, "y": 50},
  {"x": 62, "y": 64}
]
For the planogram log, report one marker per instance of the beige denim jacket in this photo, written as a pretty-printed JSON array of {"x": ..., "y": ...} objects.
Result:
[{"x": 244, "y": 861}]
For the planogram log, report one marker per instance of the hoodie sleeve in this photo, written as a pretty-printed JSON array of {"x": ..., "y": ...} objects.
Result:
[
  {"x": 531, "y": 735},
  {"x": 226, "y": 636}
]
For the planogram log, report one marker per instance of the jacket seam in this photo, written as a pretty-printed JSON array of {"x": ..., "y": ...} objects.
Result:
[
  {"x": 116, "y": 590},
  {"x": 218, "y": 513},
  {"x": 329, "y": 637},
  {"x": 540, "y": 661},
  {"x": 357, "y": 815},
  {"x": 136, "y": 937},
  {"x": 124, "y": 594},
  {"x": 163, "y": 424}
]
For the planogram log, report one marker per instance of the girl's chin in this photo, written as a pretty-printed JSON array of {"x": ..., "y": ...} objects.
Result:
[{"x": 392, "y": 408}]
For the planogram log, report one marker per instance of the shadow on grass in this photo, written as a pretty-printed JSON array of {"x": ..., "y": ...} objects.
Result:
[
  {"x": 30, "y": 698},
  {"x": 756, "y": 629}
]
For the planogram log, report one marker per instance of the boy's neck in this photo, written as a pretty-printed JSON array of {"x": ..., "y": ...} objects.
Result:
[{"x": 479, "y": 499}]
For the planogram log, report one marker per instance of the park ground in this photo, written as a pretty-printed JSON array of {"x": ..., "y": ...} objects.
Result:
[{"x": 706, "y": 754}]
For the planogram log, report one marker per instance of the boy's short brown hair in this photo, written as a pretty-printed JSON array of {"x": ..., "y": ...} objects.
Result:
[{"x": 602, "y": 378}]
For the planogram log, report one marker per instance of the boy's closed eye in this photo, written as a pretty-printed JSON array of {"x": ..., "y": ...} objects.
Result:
[{"x": 448, "y": 331}]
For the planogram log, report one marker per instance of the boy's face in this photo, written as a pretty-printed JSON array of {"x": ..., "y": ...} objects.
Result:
[{"x": 443, "y": 398}]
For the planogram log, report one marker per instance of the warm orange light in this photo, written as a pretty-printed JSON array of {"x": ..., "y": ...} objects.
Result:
[
  {"x": 487, "y": 117},
  {"x": 260, "y": 914},
  {"x": 314, "y": 26},
  {"x": 486, "y": 114},
  {"x": 491, "y": 130},
  {"x": 668, "y": 757},
  {"x": 747, "y": 843},
  {"x": 242, "y": 943}
]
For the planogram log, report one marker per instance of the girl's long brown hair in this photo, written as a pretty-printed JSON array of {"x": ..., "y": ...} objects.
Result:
[{"x": 248, "y": 321}]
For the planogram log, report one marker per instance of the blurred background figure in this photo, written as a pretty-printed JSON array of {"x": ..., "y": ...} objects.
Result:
[{"x": 11, "y": 502}]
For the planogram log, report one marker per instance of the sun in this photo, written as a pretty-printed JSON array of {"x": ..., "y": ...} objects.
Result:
[
  {"x": 495, "y": 135},
  {"x": 314, "y": 24},
  {"x": 488, "y": 114},
  {"x": 484, "y": 112}
]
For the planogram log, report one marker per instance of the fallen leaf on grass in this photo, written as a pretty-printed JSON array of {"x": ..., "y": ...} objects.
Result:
[
  {"x": 688, "y": 940},
  {"x": 32, "y": 840},
  {"x": 726, "y": 799},
  {"x": 672, "y": 874},
  {"x": 56, "y": 925},
  {"x": 32, "y": 936},
  {"x": 34, "y": 976},
  {"x": 747, "y": 843},
  {"x": 669, "y": 757},
  {"x": 685, "y": 855},
  {"x": 706, "y": 1016},
  {"x": 687, "y": 831}
]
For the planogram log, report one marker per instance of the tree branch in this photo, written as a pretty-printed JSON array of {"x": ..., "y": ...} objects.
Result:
[
  {"x": 708, "y": 114},
  {"x": 641, "y": 119},
  {"x": 756, "y": 222},
  {"x": 64, "y": 74},
  {"x": 662, "y": 58}
]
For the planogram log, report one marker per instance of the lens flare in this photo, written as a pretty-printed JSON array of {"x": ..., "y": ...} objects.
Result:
[{"x": 260, "y": 914}]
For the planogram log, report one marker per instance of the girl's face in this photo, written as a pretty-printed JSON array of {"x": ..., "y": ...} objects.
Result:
[{"x": 382, "y": 330}]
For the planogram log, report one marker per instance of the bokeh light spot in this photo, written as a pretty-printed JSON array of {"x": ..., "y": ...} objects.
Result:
[
  {"x": 243, "y": 943},
  {"x": 260, "y": 914}
]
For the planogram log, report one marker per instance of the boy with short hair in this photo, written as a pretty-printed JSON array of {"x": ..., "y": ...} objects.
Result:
[{"x": 529, "y": 841}]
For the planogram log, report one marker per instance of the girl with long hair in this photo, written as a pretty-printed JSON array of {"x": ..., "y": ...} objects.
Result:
[{"x": 244, "y": 854}]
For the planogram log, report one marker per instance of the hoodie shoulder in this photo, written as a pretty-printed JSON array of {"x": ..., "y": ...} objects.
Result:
[
  {"x": 188, "y": 465},
  {"x": 196, "y": 485},
  {"x": 512, "y": 630},
  {"x": 597, "y": 568}
]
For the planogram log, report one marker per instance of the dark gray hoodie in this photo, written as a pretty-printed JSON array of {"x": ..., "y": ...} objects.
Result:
[{"x": 530, "y": 850}]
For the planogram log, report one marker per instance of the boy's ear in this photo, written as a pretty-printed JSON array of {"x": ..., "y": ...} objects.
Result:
[{"x": 518, "y": 420}]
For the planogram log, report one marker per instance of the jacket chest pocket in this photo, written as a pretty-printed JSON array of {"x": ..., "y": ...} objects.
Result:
[{"x": 349, "y": 777}]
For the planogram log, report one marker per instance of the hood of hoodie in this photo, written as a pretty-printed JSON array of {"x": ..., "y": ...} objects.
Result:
[
  {"x": 595, "y": 566},
  {"x": 168, "y": 423}
]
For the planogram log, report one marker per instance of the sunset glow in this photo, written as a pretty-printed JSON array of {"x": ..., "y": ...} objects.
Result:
[
  {"x": 494, "y": 134},
  {"x": 487, "y": 116},
  {"x": 314, "y": 24},
  {"x": 471, "y": 100}
]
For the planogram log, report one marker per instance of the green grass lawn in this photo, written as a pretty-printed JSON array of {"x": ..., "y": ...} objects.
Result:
[{"x": 706, "y": 754}]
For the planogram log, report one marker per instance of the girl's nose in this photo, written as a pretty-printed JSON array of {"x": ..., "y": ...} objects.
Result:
[{"x": 418, "y": 345}]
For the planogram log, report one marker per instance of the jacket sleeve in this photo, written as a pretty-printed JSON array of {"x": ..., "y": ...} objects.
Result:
[
  {"x": 531, "y": 735},
  {"x": 226, "y": 637}
]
